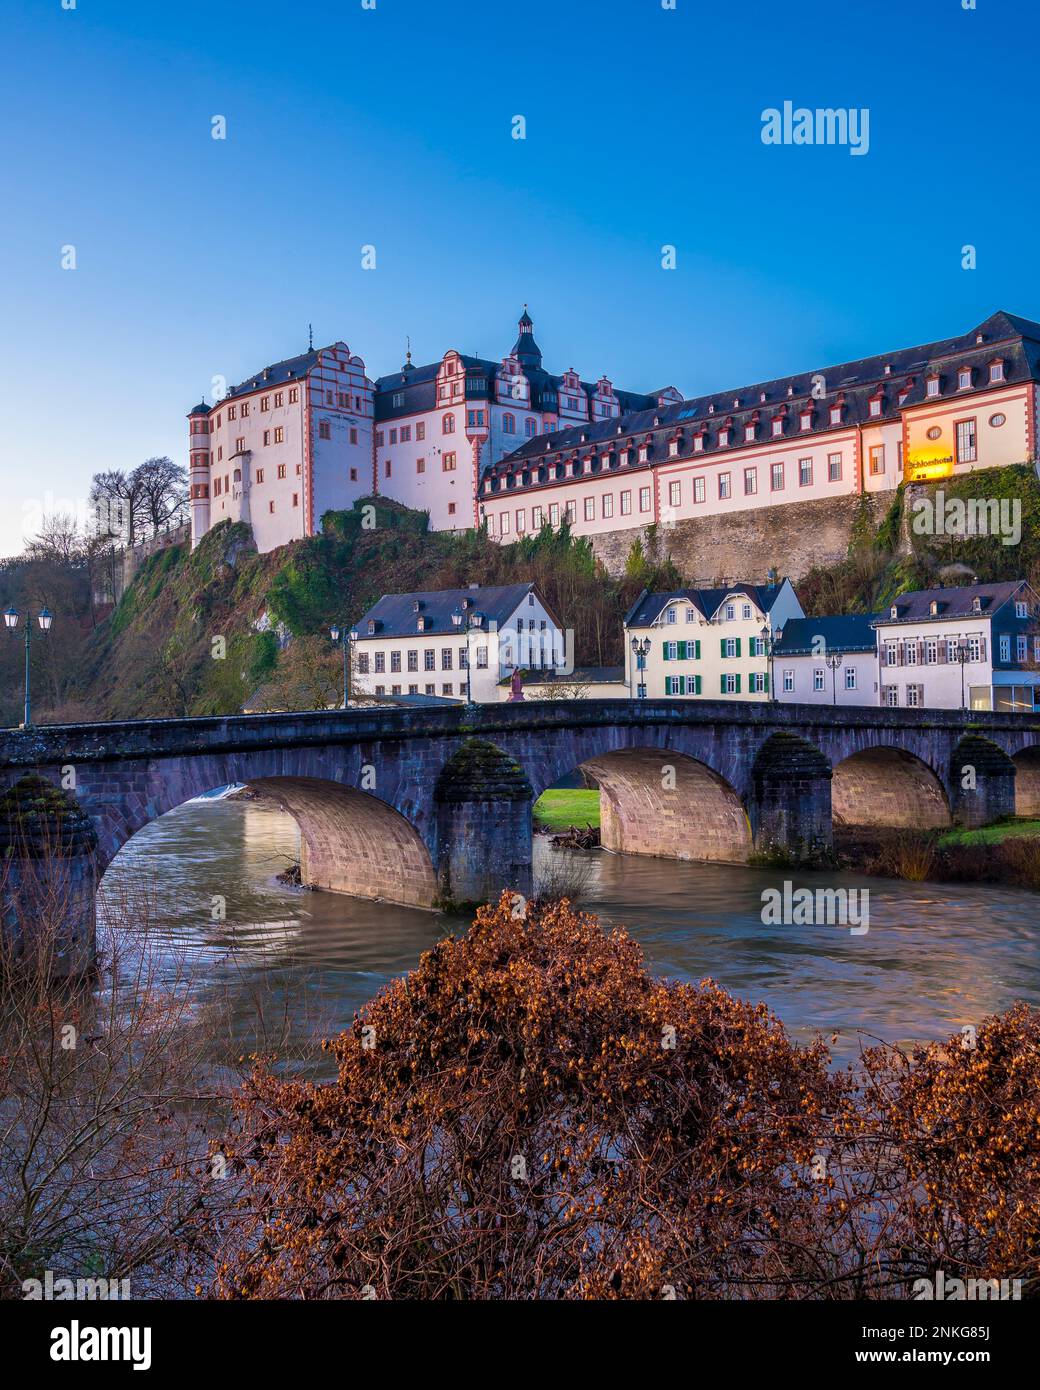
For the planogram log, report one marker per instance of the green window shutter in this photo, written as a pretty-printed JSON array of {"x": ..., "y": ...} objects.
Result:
[
  {"x": 738, "y": 646},
  {"x": 664, "y": 649},
  {"x": 738, "y": 686},
  {"x": 697, "y": 651},
  {"x": 696, "y": 685},
  {"x": 682, "y": 651},
  {"x": 722, "y": 684},
  {"x": 723, "y": 646},
  {"x": 765, "y": 685}
]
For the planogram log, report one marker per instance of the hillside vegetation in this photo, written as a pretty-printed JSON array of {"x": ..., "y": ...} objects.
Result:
[{"x": 198, "y": 631}]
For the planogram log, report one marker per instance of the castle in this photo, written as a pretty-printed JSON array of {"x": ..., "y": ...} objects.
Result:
[{"x": 512, "y": 446}]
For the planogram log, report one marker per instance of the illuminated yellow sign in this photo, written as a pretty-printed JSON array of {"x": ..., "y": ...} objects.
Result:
[{"x": 924, "y": 465}]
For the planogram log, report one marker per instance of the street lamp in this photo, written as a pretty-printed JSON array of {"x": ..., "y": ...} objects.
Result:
[
  {"x": 641, "y": 648},
  {"x": 834, "y": 661},
  {"x": 961, "y": 655},
  {"x": 338, "y": 631},
  {"x": 766, "y": 638},
  {"x": 11, "y": 618}
]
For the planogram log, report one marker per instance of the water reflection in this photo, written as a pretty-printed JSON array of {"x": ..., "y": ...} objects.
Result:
[{"x": 203, "y": 877}]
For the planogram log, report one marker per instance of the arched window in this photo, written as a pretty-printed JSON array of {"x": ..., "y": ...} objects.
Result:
[{"x": 509, "y": 423}]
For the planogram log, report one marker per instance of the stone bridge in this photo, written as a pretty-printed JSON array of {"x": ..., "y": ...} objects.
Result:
[{"x": 431, "y": 806}]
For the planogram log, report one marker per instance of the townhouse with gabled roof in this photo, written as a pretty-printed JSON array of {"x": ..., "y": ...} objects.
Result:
[
  {"x": 713, "y": 643},
  {"x": 976, "y": 646},
  {"x": 830, "y": 660}
]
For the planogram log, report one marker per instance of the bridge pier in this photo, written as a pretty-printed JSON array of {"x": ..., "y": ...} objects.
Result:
[
  {"x": 48, "y": 878},
  {"x": 982, "y": 782},
  {"x": 483, "y": 817},
  {"x": 790, "y": 803}
]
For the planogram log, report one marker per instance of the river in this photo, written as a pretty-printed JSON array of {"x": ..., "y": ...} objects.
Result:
[{"x": 935, "y": 957}]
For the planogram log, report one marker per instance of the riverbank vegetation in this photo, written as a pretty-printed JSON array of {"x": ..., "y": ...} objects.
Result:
[
  {"x": 529, "y": 1114},
  {"x": 561, "y": 807},
  {"x": 1007, "y": 853}
]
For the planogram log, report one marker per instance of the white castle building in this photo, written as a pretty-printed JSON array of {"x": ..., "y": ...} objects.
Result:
[
  {"x": 510, "y": 445},
  {"x": 313, "y": 433}
]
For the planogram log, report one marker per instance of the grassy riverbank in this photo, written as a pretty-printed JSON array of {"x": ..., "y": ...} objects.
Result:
[
  {"x": 563, "y": 807},
  {"x": 1008, "y": 853}
]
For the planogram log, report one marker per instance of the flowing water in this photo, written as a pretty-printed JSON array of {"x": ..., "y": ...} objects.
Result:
[{"x": 935, "y": 957}]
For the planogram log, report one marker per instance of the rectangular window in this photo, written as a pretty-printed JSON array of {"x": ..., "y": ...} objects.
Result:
[
  {"x": 805, "y": 472},
  {"x": 536, "y": 518},
  {"x": 387, "y": 467},
  {"x": 1021, "y": 649},
  {"x": 379, "y": 439},
  {"x": 776, "y": 477},
  {"x": 788, "y": 681},
  {"x": 395, "y": 661},
  {"x": 429, "y": 660},
  {"x": 644, "y": 499},
  {"x": 448, "y": 424},
  {"x": 420, "y": 430},
  {"x": 554, "y": 514},
  {"x": 267, "y": 438},
  {"x": 850, "y": 678},
  {"x": 521, "y": 520},
  {"x": 698, "y": 489},
  {"x": 281, "y": 470},
  {"x": 380, "y": 662},
  {"x": 877, "y": 459},
  {"x": 279, "y": 434},
  {"x": 1005, "y": 647},
  {"x": 448, "y": 463},
  {"x": 406, "y": 434},
  {"x": 608, "y": 504},
  {"x": 966, "y": 452},
  {"x": 931, "y": 651},
  {"x": 675, "y": 494},
  {"x": 445, "y": 658},
  {"x": 362, "y": 663},
  {"x": 353, "y": 436},
  {"x": 818, "y": 678},
  {"x": 750, "y": 481},
  {"x": 892, "y": 696},
  {"x": 724, "y": 487},
  {"x": 294, "y": 395},
  {"x": 590, "y": 509},
  {"x": 913, "y": 696},
  {"x": 834, "y": 468},
  {"x": 413, "y": 661}
]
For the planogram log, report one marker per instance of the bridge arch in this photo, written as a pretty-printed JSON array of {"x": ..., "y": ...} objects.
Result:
[
  {"x": 667, "y": 804},
  {"x": 1027, "y": 781},
  {"x": 888, "y": 786}
]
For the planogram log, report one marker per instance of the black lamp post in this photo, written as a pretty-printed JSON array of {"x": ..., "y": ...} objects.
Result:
[
  {"x": 11, "y": 618},
  {"x": 834, "y": 661},
  {"x": 641, "y": 648},
  {"x": 962, "y": 655},
  {"x": 339, "y": 632}
]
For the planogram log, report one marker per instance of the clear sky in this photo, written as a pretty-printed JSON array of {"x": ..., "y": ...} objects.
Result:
[{"x": 393, "y": 127}]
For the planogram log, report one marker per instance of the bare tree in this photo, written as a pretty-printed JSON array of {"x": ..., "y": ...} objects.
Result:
[{"x": 164, "y": 487}]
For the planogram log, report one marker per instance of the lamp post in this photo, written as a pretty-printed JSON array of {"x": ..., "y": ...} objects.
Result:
[
  {"x": 641, "y": 648},
  {"x": 961, "y": 655},
  {"x": 11, "y": 618},
  {"x": 766, "y": 638},
  {"x": 834, "y": 661},
  {"x": 339, "y": 632}
]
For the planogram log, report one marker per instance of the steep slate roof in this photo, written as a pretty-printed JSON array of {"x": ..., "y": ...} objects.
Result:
[
  {"x": 1015, "y": 339},
  {"x": 277, "y": 374},
  {"x": 953, "y": 603},
  {"x": 649, "y": 607},
  {"x": 848, "y": 632},
  {"x": 395, "y": 614}
]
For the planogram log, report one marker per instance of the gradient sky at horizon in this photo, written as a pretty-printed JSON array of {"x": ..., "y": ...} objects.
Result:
[{"x": 198, "y": 257}]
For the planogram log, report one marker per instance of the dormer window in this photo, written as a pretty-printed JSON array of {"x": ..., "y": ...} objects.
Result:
[
  {"x": 673, "y": 448},
  {"x": 749, "y": 434},
  {"x": 711, "y": 408},
  {"x": 416, "y": 605},
  {"x": 371, "y": 626},
  {"x": 933, "y": 608},
  {"x": 893, "y": 612},
  {"x": 963, "y": 378},
  {"x": 888, "y": 368},
  {"x": 626, "y": 456},
  {"x": 778, "y": 427},
  {"x": 996, "y": 371},
  {"x": 587, "y": 466},
  {"x": 806, "y": 418},
  {"x": 698, "y": 443},
  {"x": 932, "y": 384},
  {"x": 904, "y": 392},
  {"x": 762, "y": 397},
  {"x": 835, "y": 414},
  {"x": 723, "y": 437},
  {"x": 644, "y": 452},
  {"x": 420, "y": 624},
  {"x": 976, "y": 605},
  {"x": 790, "y": 391},
  {"x": 875, "y": 405}
]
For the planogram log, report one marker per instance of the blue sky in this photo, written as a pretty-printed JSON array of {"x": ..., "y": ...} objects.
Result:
[{"x": 392, "y": 127}]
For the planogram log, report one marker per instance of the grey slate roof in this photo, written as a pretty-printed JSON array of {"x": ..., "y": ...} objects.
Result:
[
  {"x": 954, "y": 602},
  {"x": 847, "y": 632},
  {"x": 649, "y": 607},
  {"x": 277, "y": 374},
  {"x": 1016, "y": 340},
  {"x": 395, "y": 614}
]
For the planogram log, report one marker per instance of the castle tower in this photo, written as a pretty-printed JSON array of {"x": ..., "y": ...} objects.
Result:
[
  {"x": 526, "y": 349},
  {"x": 198, "y": 471}
]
